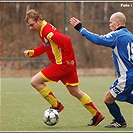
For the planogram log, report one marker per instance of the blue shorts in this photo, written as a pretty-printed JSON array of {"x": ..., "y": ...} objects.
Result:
[{"x": 123, "y": 86}]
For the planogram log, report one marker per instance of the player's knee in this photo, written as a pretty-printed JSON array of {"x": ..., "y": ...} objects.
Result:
[
  {"x": 33, "y": 83},
  {"x": 105, "y": 100},
  {"x": 73, "y": 92},
  {"x": 108, "y": 99},
  {"x": 76, "y": 93}
]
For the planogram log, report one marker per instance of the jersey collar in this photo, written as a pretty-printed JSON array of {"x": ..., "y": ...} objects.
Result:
[
  {"x": 120, "y": 27},
  {"x": 43, "y": 25}
]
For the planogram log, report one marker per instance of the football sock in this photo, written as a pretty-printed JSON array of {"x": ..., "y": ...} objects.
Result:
[
  {"x": 115, "y": 112},
  {"x": 130, "y": 99},
  {"x": 88, "y": 104},
  {"x": 49, "y": 96}
]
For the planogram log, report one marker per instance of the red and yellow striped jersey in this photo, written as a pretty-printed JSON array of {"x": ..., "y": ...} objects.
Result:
[{"x": 57, "y": 46}]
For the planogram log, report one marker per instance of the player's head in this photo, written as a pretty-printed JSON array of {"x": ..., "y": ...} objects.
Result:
[
  {"x": 116, "y": 20},
  {"x": 33, "y": 19}
]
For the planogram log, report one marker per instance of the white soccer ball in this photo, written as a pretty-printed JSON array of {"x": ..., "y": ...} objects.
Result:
[{"x": 51, "y": 117}]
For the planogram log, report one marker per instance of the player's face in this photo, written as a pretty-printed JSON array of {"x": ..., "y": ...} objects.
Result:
[
  {"x": 113, "y": 24},
  {"x": 33, "y": 25}
]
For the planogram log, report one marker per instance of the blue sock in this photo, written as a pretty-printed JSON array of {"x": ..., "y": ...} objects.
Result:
[
  {"x": 115, "y": 112},
  {"x": 130, "y": 99}
]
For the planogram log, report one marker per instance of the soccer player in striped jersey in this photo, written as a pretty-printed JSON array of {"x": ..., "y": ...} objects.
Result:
[
  {"x": 120, "y": 40},
  {"x": 63, "y": 65}
]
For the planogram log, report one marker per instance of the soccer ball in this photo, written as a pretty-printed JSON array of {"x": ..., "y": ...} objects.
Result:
[{"x": 50, "y": 117}]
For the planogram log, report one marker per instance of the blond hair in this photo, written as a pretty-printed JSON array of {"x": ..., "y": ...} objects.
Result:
[{"x": 32, "y": 14}]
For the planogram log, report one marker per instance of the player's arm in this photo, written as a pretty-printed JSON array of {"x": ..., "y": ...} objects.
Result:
[
  {"x": 57, "y": 38},
  {"x": 105, "y": 40},
  {"x": 54, "y": 36},
  {"x": 76, "y": 23},
  {"x": 35, "y": 52},
  {"x": 63, "y": 42},
  {"x": 28, "y": 53}
]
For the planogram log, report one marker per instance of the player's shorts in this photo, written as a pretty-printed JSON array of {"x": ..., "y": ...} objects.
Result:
[
  {"x": 65, "y": 73},
  {"x": 123, "y": 86}
]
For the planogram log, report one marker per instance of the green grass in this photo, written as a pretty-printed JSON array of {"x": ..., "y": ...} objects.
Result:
[{"x": 22, "y": 106}]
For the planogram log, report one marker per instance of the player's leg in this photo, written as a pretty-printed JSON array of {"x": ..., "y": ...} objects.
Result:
[
  {"x": 38, "y": 82},
  {"x": 87, "y": 103},
  {"x": 71, "y": 82},
  {"x": 114, "y": 110},
  {"x": 83, "y": 98},
  {"x": 129, "y": 87},
  {"x": 121, "y": 90},
  {"x": 130, "y": 99}
]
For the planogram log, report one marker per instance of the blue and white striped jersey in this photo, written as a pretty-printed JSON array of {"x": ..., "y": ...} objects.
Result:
[{"x": 121, "y": 42}]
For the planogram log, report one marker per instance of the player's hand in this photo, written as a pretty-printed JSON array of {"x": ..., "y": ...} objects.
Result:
[
  {"x": 71, "y": 63},
  {"x": 75, "y": 23},
  {"x": 26, "y": 53}
]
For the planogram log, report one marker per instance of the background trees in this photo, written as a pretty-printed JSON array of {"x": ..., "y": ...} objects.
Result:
[{"x": 15, "y": 36}]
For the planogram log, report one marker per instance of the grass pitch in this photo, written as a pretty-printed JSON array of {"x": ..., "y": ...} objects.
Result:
[{"x": 22, "y": 106}]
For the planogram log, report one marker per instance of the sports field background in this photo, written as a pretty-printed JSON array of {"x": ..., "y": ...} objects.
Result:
[{"x": 22, "y": 106}]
